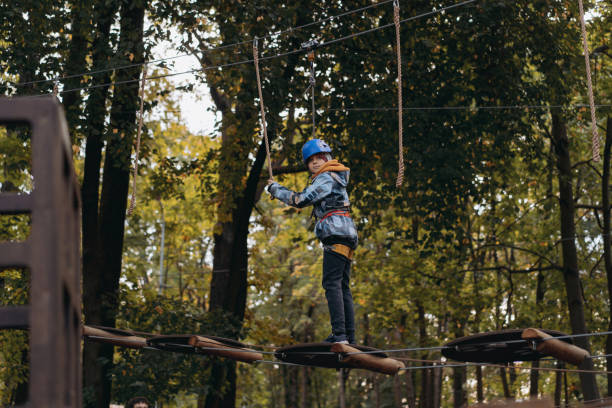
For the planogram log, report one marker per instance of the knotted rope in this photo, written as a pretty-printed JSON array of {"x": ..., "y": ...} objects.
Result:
[
  {"x": 142, "y": 87},
  {"x": 261, "y": 106},
  {"x": 396, "y": 19},
  {"x": 585, "y": 47}
]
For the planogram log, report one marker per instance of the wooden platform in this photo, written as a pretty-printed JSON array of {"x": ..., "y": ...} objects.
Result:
[
  {"x": 335, "y": 355},
  {"x": 187, "y": 343},
  {"x": 502, "y": 346}
]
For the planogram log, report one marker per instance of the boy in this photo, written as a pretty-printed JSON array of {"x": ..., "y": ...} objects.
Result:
[{"x": 335, "y": 229}]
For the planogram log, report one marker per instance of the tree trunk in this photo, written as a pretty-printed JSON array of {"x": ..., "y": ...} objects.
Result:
[
  {"x": 377, "y": 392},
  {"x": 291, "y": 385},
  {"x": 558, "y": 385},
  {"x": 573, "y": 285},
  {"x": 304, "y": 397},
  {"x": 504, "y": 380},
  {"x": 228, "y": 288},
  {"x": 102, "y": 272},
  {"x": 341, "y": 389},
  {"x": 397, "y": 392},
  {"x": 95, "y": 382},
  {"x": 459, "y": 394},
  {"x": 410, "y": 394},
  {"x": 534, "y": 375},
  {"x": 479, "y": 387},
  {"x": 605, "y": 204},
  {"x": 437, "y": 387},
  {"x": 76, "y": 63},
  {"x": 425, "y": 378}
]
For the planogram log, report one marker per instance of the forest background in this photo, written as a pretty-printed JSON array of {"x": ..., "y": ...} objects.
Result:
[{"x": 503, "y": 220}]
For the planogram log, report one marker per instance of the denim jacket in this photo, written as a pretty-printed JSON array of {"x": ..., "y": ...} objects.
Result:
[{"x": 325, "y": 193}]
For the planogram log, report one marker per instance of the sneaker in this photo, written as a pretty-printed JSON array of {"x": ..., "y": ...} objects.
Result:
[{"x": 336, "y": 338}]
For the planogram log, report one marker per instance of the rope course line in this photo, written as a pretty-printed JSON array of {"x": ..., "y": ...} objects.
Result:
[
  {"x": 431, "y": 108},
  {"x": 210, "y": 50},
  {"x": 237, "y": 350},
  {"x": 551, "y": 369},
  {"x": 169, "y": 343},
  {"x": 271, "y": 57},
  {"x": 569, "y": 336},
  {"x": 140, "y": 115},
  {"x": 279, "y": 363},
  {"x": 585, "y": 46},
  {"x": 443, "y": 364}
]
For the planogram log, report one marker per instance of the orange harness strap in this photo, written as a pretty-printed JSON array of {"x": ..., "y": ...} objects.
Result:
[
  {"x": 343, "y": 250},
  {"x": 344, "y": 213}
]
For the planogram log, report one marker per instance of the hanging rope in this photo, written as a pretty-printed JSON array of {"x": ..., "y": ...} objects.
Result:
[
  {"x": 400, "y": 130},
  {"x": 585, "y": 47},
  {"x": 310, "y": 46},
  {"x": 261, "y": 107},
  {"x": 142, "y": 87},
  {"x": 311, "y": 56}
]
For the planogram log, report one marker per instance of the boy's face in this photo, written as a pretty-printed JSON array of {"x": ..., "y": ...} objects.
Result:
[{"x": 315, "y": 162}]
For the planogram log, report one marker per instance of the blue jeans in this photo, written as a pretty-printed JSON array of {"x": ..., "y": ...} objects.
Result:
[{"x": 336, "y": 279}]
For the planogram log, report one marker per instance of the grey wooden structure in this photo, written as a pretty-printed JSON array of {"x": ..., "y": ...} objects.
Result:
[{"x": 50, "y": 253}]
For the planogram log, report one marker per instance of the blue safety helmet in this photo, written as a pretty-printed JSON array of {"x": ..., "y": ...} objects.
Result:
[{"x": 314, "y": 146}]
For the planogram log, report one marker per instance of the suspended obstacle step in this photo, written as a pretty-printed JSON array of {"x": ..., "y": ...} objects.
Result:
[
  {"x": 547, "y": 344},
  {"x": 336, "y": 355},
  {"x": 188, "y": 343},
  {"x": 206, "y": 345},
  {"x": 116, "y": 337},
  {"x": 505, "y": 346}
]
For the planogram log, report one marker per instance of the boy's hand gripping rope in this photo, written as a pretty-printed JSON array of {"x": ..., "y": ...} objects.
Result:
[
  {"x": 595, "y": 143},
  {"x": 396, "y": 20},
  {"x": 261, "y": 106},
  {"x": 142, "y": 87}
]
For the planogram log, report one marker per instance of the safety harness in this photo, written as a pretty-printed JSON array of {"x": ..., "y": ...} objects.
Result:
[{"x": 341, "y": 249}]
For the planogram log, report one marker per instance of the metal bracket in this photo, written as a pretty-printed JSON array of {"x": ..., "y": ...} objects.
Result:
[{"x": 310, "y": 45}]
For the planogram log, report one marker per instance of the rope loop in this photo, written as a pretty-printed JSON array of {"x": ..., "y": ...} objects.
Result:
[
  {"x": 400, "y": 130},
  {"x": 261, "y": 106},
  {"x": 140, "y": 114}
]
